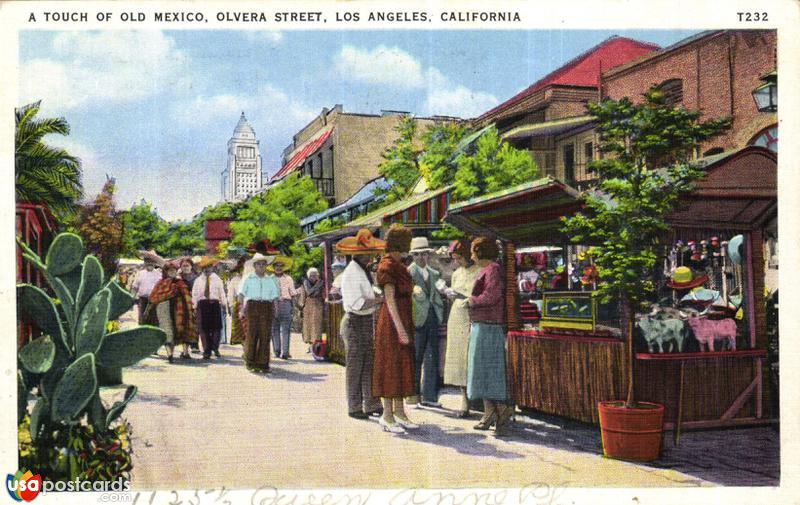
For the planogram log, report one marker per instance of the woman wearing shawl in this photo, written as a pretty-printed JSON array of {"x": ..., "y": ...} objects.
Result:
[
  {"x": 173, "y": 307},
  {"x": 313, "y": 293}
]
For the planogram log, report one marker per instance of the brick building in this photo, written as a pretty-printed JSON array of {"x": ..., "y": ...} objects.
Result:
[
  {"x": 714, "y": 72},
  {"x": 341, "y": 151},
  {"x": 537, "y": 117}
]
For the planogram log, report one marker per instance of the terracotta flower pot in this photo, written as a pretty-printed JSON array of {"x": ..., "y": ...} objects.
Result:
[{"x": 634, "y": 434}]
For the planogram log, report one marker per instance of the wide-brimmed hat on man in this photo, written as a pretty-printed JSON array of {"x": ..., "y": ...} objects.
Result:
[
  {"x": 420, "y": 245},
  {"x": 362, "y": 243},
  {"x": 684, "y": 278},
  {"x": 205, "y": 262}
]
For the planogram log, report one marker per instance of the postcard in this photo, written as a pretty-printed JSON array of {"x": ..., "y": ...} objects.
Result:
[{"x": 331, "y": 252}]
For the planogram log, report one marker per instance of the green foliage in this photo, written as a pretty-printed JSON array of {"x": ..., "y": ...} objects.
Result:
[
  {"x": 437, "y": 161},
  {"x": 329, "y": 225},
  {"x": 76, "y": 451},
  {"x": 100, "y": 226},
  {"x": 275, "y": 215},
  {"x": 43, "y": 173},
  {"x": 38, "y": 356},
  {"x": 184, "y": 238},
  {"x": 144, "y": 230},
  {"x": 448, "y": 232},
  {"x": 63, "y": 370},
  {"x": 304, "y": 258},
  {"x": 128, "y": 347},
  {"x": 400, "y": 166},
  {"x": 640, "y": 184},
  {"x": 495, "y": 165}
]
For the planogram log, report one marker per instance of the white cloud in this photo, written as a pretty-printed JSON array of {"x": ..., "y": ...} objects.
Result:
[
  {"x": 391, "y": 66},
  {"x": 383, "y": 65},
  {"x": 269, "y": 103},
  {"x": 103, "y": 67},
  {"x": 448, "y": 99},
  {"x": 271, "y": 36}
]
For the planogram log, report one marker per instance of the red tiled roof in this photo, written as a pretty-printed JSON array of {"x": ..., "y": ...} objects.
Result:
[
  {"x": 585, "y": 69},
  {"x": 298, "y": 159}
]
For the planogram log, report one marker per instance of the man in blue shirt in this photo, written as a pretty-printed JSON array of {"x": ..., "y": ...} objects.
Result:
[{"x": 258, "y": 291}]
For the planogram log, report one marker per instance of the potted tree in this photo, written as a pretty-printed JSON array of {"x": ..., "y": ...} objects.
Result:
[{"x": 651, "y": 145}]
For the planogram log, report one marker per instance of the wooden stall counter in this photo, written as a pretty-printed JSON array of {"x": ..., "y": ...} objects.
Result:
[{"x": 565, "y": 374}]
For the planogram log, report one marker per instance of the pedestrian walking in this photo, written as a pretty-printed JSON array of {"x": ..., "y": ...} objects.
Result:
[
  {"x": 143, "y": 284},
  {"x": 458, "y": 325},
  {"x": 428, "y": 314},
  {"x": 171, "y": 301},
  {"x": 393, "y": 372},
  {"x": 284, "y": 306},
  {"x": 486, "y": 367},
  {"x": 360, "y": 302},
  {"x": 259, "y": 291},
  {"x": 313, "y": 292},
  {"x": 188, "y": 274},
  {"x": 237, "y": 325},
  {"x": 208, "y": 299}
]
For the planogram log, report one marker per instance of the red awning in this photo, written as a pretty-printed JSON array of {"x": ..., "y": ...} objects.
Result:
[{"x": 298, "y": 159}]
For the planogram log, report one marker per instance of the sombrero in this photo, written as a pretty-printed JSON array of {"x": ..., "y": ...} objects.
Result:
[
  {"x": 684, "y": 278},
  {"x": 206, "y": 261},
  {"x": 362, "y": 243}
]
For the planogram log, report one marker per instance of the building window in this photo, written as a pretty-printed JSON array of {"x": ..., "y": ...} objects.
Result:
[
  {"x": 768, "y": 137},
  {"x": 588, "y": 152},
  {"x": 673, "y": 91},
  {"x": 550, "y": 164},
  {"x": 569, "y": 164},
  {"x": 316, "y": 169}
]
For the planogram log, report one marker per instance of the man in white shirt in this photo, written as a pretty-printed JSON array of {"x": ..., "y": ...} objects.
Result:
[
  {"x": 359, "y": 301},
  {"x": 143, "y": 284},
  {"x": 209, "y": 300}
]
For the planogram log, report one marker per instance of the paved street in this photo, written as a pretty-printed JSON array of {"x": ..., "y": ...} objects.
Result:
[{"x": 203, "y": 424}]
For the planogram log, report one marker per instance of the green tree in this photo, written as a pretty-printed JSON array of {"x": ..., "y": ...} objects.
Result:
[
  {"x": 304, "y": 258},
  {"x": 495, "y": 165},
  {"x": 329, "y": 225},
  {"x": 651, "y": 145},
  {"x": 42, "y": 173},
  {"x": 275, "y": 215},
  {"x": 100, "y": 226},
  {"x": 185, "y": 238},
  {"x": 143, "y": 229},
  {"x": 440, "y": 143},
  {"x": 400, "y": 164}
]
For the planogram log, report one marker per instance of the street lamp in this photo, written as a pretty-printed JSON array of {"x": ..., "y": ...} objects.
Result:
[{"x": 766, "y": 95}]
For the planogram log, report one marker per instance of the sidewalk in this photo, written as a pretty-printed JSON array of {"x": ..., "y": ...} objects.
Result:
[{"x": 203, "y": 424}]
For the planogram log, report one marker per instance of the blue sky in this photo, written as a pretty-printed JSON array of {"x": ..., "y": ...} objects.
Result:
[{"x": 155, "y": 109}]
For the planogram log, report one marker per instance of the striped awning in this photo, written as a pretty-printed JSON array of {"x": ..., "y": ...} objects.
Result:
[
  {"x": 525, "y": 215},
  {"x": 301, "y": 155}
]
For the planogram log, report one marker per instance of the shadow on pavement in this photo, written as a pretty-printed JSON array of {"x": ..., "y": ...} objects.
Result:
[
  {"x": 281, "y": 373},
  {"x": 473, "y": 444},
  {"x": 728, "y": 457},
  {"x": 168, "y": 400}
]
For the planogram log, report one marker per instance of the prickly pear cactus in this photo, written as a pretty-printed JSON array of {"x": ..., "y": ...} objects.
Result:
[{"x": 62, "y": 366}]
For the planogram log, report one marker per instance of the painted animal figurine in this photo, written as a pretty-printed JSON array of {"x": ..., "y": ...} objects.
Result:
[{"x": 707, "y": 331}]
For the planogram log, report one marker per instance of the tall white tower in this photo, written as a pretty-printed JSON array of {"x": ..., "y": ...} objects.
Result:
[{"x": 242, "y": 175}]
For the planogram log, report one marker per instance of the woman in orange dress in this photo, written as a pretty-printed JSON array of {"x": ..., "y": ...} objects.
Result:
[{"x": 393, "y": 371}]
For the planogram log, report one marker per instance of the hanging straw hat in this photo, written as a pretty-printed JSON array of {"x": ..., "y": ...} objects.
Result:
[
  {"x": 362, "y": 243},
  {"x": 684, "y": 278}
]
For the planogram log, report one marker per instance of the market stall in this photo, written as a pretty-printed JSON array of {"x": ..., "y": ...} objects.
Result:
[
  {"x": 423, "y": 212},
  {"x": 568, "y": 355}
]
